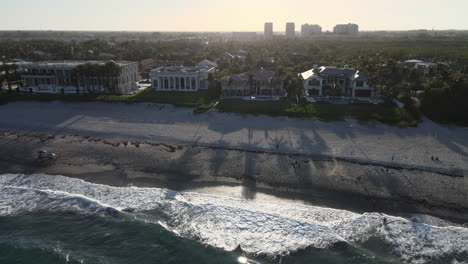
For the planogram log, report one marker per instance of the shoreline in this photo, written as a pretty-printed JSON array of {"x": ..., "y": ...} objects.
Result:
[{"x": 321, "y": 180}]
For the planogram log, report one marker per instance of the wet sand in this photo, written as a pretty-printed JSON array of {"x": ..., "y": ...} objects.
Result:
[{"x": 252, "y": 174}]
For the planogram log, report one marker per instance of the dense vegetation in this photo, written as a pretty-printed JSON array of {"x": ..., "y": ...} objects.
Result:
[
  {"x": 442, "y": 89},
  {"x": 323, "y": 111},
  {"x": 193, "y": 99}
]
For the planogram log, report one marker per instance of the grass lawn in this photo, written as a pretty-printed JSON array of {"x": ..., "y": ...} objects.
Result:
[
  {"x": 187, "y": 99},
  {"x": 322, "y": 111}
]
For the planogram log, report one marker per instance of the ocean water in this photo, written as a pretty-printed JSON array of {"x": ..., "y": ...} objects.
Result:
[{"x": 56, "y": 219}]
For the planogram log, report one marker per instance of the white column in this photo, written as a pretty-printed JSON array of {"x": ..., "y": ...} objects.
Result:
[{"x": 190, "y": 83}]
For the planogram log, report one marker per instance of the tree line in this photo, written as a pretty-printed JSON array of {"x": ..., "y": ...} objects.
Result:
[
  {"x": 94, "y": 77},
  {"x": 377, "y": 57}
]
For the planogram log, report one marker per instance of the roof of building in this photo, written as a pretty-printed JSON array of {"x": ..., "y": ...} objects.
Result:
[
  {"x": 182, "y": 69},
  {"x": 148, "y": 61},
  {"x": 413, "y": 61},
  {"x": 260, "y": 75},
  {"x": 105, "y": 54},
  {"x": 350, "y": 73},
  {"x": 228, "y": 55},
  {"x": 208, "y": 62}
]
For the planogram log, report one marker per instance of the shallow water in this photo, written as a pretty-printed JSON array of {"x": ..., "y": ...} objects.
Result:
[{"x": 55, "y": 219}]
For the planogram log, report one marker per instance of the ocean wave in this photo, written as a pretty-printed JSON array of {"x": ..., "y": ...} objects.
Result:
[{"x": 258, "y": 228}]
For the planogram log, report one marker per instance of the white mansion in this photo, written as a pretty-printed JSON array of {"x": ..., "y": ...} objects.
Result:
[
  {"x": 180, "y": 78},
  {"x": 63, "y": 76},
  {"x": 255, "y": 82},
  {"x": 333, "y": 81}
]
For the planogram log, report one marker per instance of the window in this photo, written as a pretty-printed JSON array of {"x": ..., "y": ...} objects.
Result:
[
  {"x": 314, "y": 83},
  {"x": 313, "y": 92},
  {"x": 360, "y": 84},
  {"x": 194, "y": 83},
  {"x": 172, "y": 83},
  {"x": 363, "y": 93}
]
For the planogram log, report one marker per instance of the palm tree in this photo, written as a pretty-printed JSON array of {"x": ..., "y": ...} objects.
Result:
[
  {"x": 16, "y": 76},
  {"x": 251, "y": 84},
  {"x": 77, "y": 76},
  {"x": 112, "y": 71},
  {"x": 6, "y": 68}
]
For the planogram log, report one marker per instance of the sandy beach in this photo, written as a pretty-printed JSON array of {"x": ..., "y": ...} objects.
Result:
[{"x": 350, "y": 165}]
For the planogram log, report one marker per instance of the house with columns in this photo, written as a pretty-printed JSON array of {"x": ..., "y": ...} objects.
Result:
[
  {"x": 180, "y": 78},
  {"x": 333, "y": 81}
]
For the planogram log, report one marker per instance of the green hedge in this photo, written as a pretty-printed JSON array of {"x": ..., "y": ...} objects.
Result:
[
  {"x": 446, "y": 105},
  {"x": 187, "y": 99},
  {"x": 323, "y": 111}
]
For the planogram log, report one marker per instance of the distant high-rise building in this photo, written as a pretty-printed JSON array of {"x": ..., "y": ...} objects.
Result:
[
  {"x": 310, "y": 30},
  {"x": 290, "y": 30},
  {"x": 346, "y": 29},
  {"x": 268, "y": 31}
]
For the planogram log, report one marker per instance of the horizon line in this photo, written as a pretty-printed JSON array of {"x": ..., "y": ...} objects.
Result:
[{"x": 212, "y": 31}]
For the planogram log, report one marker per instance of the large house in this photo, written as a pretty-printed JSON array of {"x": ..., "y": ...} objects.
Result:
[
  {"x": 148, "y": 64},
  {"x": 207, "y": 63},
  {"x": 255, "y": 82},
  {"x": 180, "y": 78},
  {"x": 67, "y": 77},
  {"x": 333, "y": 81}
]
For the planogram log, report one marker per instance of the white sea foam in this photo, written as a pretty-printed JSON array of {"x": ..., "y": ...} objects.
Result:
[{"x": 257, "y": 227}]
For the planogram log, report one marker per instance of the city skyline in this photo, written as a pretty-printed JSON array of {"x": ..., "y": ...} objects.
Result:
[{"x": 185, "y": 15}]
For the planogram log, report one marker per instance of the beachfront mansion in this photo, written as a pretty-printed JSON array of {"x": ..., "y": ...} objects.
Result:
[
  {"x": 333, "y": 81},
  {"x": 181, "y": 78},
  {"x": 67, "y": 77},
  {"x": 253, "y": 83}
]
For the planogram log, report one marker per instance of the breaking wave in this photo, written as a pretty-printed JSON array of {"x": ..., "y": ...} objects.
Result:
[{"x": 257, "y": 228}]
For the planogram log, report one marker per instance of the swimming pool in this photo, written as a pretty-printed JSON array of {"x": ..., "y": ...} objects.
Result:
[{"x": 263, "y": 98}]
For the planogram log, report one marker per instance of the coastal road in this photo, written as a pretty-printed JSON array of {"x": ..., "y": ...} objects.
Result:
[{"x": 375, "y": 142}]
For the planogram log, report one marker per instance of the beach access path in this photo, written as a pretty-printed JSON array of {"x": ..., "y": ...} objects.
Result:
[{"x": 428, "y": 146}]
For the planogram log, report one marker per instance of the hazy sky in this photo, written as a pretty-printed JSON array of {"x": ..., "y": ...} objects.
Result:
[{"x": 235, "y": 15}]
